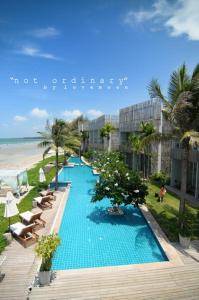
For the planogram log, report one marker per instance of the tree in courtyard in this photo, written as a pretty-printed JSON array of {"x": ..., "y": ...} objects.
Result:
[
  {"x": 106, "y": 132},
  {"x": 117, "y": 182},
  {"x": 136, "y": 146},
  {"x": 72, "y": 142},
  {"x": 141, "y": 143},
  {"x": 181, "y": 109},
  {"x": 84, "y": 138}
]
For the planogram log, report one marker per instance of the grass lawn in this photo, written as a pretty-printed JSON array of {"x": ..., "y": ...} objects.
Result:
[
  {"x": 166, "y": 213},
  {"x": 26, "y": 203}
]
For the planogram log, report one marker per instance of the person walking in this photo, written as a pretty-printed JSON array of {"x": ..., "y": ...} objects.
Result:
[{"x": 162, "y": 193}]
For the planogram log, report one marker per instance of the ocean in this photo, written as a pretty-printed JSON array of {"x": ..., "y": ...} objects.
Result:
[{"x": 16, "y": 141}]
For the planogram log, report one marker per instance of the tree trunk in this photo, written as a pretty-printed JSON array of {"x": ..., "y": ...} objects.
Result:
[
  {"x": 109, "y": 143},
  {"x": 184, "y": 169},
  {"x": 56, "y": 169},
  {"x": 144, "y": 167}
]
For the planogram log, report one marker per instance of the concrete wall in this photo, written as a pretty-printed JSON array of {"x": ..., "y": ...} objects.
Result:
[
  {"x": 94, "y": 126},
  {"x": 129, "y": 122}
]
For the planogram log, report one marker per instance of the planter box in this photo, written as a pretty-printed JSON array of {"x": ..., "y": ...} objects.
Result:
[
  {"x": 184, "y": 241},
  {"x": 44, "y": 277}
]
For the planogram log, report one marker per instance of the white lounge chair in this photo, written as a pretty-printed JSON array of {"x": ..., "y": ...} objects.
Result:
[
  {"x": 25, "y": 234},
  {"x": 28, "y": 218},
  {"x": 44, "y": 202}
]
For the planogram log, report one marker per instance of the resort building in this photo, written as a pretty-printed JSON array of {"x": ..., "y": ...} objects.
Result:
[
  {"x": 129, "y": 123},
  {"x": 192, "y": 174},
  {"x": 95, "y": 141}
]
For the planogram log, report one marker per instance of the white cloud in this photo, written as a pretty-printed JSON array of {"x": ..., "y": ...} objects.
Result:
[
  {"x": 20, "y": 118},
  {"x": 36, "y": 52},
  {"x": 72, "y": 114},
  {"x": 185, "y": 20},
  {"x": 180, "y": 17},
  {"x": 92, "y": 113},
  {"x": 39, "y": 113},
  {"x": 47, "y": 32}
]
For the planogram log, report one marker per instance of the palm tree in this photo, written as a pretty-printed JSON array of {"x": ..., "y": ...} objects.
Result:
[
  {"x": 181, "y": 109},
  {"x": 148, "y": 135},
  {"x": 105, "y": 132},
  {"x": 140, "y": 143},
  {"x": 71, "y": 140},
  {"x": 135, "y": 142},
  {"x": 53, "y": 138},
  {"x": 84, "y": 138}
]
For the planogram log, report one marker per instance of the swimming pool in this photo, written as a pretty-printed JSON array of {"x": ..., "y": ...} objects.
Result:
[{"x": 91, "y": 238}]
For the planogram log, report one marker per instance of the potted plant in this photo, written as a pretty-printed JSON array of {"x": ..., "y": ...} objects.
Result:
[
  {"x": 45, "y": 249},
  {"x": 185, "y": 231}
]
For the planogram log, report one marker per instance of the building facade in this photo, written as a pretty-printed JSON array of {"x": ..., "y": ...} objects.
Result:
[
  {"x": 129, "y": 122},
  {"x": 96, "y": 141},
  {"x": 165, "y": 156},
  {"x": 192, "y": 173}
]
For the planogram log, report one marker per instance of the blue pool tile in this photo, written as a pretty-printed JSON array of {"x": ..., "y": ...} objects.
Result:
[{"x": 91, "y": 238}]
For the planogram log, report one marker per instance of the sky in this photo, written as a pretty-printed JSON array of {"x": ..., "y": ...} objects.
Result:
[{"x": 64, "y": 58}]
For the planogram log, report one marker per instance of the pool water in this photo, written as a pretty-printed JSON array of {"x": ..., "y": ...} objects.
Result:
[{"x": 91, "y": 238}]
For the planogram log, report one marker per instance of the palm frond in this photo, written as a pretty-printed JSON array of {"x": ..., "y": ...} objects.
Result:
[
  {"x": 155, "y": 92},
  {"x": 195, "y": 74},
  {"x": 179, "y": 82},
  {"x": 45, "y": 143}
]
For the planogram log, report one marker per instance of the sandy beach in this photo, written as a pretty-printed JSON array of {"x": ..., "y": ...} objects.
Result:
[{"x": 19, "y": 156}]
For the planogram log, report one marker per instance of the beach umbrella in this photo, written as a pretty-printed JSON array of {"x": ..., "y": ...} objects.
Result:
[
  {"x": 42, "y": 177},
  {"x": 10, "y": 206}
]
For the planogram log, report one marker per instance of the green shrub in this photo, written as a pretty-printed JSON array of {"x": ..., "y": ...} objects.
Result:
[
  {"x": 160, "y": 177},
  {"x": 89, "y": 154}
]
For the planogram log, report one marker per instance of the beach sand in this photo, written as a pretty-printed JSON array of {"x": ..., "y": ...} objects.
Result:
[{"x": 19, "y": 156}]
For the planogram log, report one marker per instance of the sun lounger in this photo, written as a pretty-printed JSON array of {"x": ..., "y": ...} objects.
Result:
[
  {"x": 48, "y": 193},
  {"x": 24, "y": 234},
  {"x": 28, "y": 218},
  {"x": 44, "y": 202}
]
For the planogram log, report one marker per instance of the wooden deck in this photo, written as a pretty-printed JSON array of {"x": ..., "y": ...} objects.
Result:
[
  {"x": 180, "y": 282},
  {"x": 20, "y": 266}
]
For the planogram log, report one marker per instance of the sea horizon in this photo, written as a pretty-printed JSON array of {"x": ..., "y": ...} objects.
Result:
[{"x": 18, "y": 140}]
